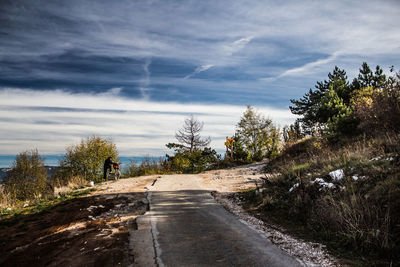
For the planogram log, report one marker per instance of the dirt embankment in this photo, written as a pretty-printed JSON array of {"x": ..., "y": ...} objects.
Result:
[{"x": 87, "y": 231}]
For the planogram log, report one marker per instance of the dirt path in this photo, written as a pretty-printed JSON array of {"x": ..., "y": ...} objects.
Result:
[{"x": 88, "y": 231}]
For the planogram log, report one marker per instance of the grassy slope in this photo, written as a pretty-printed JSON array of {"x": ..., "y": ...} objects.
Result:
[
  {"x": 9, "y": 217},
  {"x": 358, "y": 219}
]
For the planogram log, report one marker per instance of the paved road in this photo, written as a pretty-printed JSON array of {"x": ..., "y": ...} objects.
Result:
[{"x": 190, "y": 229}]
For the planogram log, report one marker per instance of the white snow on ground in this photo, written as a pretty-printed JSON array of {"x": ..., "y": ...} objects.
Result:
[
  {"x": 356, "y": 177},
  {"x": 323, "y": 184},
  {"x": 337, "y": 175},
  {"x": 293, "y": 187}
]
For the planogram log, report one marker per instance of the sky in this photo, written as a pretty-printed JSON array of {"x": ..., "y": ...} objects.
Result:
[{"x": 132, "y": 71}]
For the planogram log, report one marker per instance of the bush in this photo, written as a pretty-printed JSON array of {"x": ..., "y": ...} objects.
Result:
[
  {"x": 27, "y": 179},
  {"x": 357, "y": 215},
  {"x": 379, "y": 110},
  {"x": 149, "y": 166},
  {"x": 87, "y": 159},
  {"x": 185, "y": 161}
]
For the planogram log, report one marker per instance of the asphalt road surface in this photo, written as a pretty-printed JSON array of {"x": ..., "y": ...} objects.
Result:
[{"x": 187, "y": 227}]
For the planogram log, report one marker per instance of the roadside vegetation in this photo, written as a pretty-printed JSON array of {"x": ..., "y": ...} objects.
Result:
[
  {"x": 337, "y": 178},
  {"x": 12, "y": 216},
  {"x": 28, "y": 183},
  {"x": 333, "y": 175}
]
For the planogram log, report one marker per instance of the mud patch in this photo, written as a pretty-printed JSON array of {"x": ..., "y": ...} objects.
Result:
[{"x": 88, "y": 231}]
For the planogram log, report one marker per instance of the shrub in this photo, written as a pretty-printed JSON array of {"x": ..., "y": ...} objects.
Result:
[
  {"x": 27, "y": 179},
  {"x": 196, "y": 161},
  {"x": 359, "y": 215},
  {"x": 87, "y": 158},
  {"x": 148, "y": 166},
  {"x": 379, "y": 110}
]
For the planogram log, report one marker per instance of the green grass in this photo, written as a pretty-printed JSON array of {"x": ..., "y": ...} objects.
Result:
[{"x": 10, "y": 217}]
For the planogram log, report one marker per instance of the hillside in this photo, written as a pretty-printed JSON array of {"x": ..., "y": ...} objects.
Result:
[{"x": 345, "y": 196}]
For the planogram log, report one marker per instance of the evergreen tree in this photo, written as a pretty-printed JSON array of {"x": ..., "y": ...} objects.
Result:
[
  {"x": 367, "y": 78},
  {"x": 309, "y": 106}
]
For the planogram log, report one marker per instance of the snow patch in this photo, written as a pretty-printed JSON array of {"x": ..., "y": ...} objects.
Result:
[
  {"x": 293, "y": 187},
  {"x": 323, "y": 184},
  {"x": 337, "y": 175},
  {"x": 355, "y": 177},
  {"x": 376, "y": 158}
]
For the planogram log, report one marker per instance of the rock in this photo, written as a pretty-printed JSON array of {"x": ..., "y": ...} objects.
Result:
[{"x": 337, "y": 175}]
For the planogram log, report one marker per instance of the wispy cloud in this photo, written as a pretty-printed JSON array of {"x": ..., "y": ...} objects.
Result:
[
  {"x": 145, "y": 82},
  {"x": 198, "y": 70},
  {"x": 311, "y": 66},
  {"x": 237, "y": 45},
  {"x": 56, "y": 119}
]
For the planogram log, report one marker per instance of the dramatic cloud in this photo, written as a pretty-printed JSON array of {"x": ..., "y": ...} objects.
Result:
[{"x": 168, "y": 59}]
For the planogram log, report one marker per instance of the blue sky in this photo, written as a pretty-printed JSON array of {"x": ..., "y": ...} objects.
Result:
[{"x": 133, "y": 70}]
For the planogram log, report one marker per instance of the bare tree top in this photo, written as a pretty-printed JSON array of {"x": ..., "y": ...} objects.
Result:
[{"x": 189, "y": 134}]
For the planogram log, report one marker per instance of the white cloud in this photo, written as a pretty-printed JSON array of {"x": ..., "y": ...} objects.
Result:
[
  {"x": 237, "y": 45},
  {"x": 198, "y": 70},
  {"x": 145, "y": 82},
  {"x": 138, "y": 127},
  {"x": 113, "y": 91},
  {"x": 311, "y": 66}
]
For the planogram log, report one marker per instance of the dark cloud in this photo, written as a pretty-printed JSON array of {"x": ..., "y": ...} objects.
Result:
[{"x": 164, "y": 50}]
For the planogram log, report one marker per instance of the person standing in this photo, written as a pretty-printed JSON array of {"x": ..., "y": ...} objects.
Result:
[{"x": 107, "y": 167}]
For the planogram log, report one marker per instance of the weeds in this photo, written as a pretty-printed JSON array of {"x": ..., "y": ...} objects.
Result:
[
  {"x": 11, "y": 216},
  {"x": 359, "y": 213}
]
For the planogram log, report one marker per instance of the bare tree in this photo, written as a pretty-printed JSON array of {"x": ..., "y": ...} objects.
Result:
[{"x": 189, "y": 135}]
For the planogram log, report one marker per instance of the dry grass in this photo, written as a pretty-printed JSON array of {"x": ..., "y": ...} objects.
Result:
[
  {"x": 357, "y": 215},
  {"x": 72, "y": 184},
  {"x": 6, "y": 201}
]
